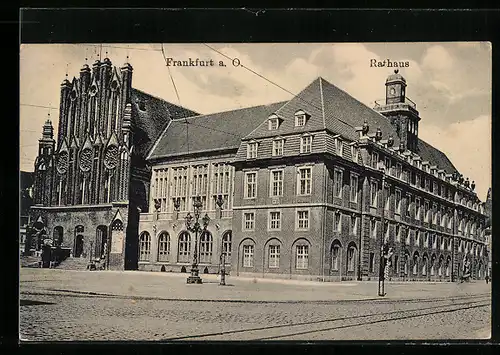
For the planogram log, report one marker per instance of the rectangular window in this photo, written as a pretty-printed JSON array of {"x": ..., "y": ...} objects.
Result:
[
  {"x": 338, "y": 183},
  {"x": 306, "y": 144},
  {"x": 434, "y": 214},
  {"x": 278, "y": 147},
  {"x": 337, "y": 227},
  {"x": 276, "y": 183},
  {"x": 252, "y": 150},
  {"x": 354, "y": 225},
  {"x": 354, "y": 153},
  {"x": 302, "y": 257},
  {"x": 398, "y": 202},
  {"x": 427, "y": 184},
  {"x": 340, "y": 146},
  {"x": 417, "y": 180},
  {"x": 250, "y": 185},
  {"x": 407, "y": 235},
  {"x": 386, "y": 232},
  {"x": 249, "y": 221},
  {"x": 450, "y": 220},
  {"x": 305, "y": 181},
  {"x": 373, "y": 193},
  {"x": 443, "y": 191},
  {"x": 417, "y": 207},
  {"x": 274, "y": 256},
  {"x": 408, "y": 205},
  {"x": 374, "y": 160},
  {"x": 373, "y": 228},
  {"x": 398, "y": 170},
  {"x": 248, "y": 256},
  {"x": 435, "y": 188},
  {"x": 426, "y": 212},
  {"x": 398, "y": 233},
  {"x": 417, "y": 238},
  {"x": 387, "y": 164},
  {"x": 275, "y": 220},
  {"x": 354, "y": 188},
  {"x": 303, "y": 219}
]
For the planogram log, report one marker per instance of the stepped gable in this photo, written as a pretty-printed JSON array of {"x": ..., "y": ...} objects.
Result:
[
  {"x": 435, "y": 156},
  {"x": 151, "y": 115},
  {"x": 222, "y": 130}
]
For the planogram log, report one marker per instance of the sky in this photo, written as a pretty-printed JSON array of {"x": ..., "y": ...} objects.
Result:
[{"x": 449, "y": 81}]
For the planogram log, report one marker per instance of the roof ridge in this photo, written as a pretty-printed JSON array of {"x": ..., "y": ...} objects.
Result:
[
  {"x": 322, "y": 101},
  {"x": 161, "y": 99},
  {"x": 160, "y": 136},
  {"x": 232, "y": 110}
]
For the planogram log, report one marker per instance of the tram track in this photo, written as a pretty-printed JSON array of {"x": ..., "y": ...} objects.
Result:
[{"x": 284, "y": 331}]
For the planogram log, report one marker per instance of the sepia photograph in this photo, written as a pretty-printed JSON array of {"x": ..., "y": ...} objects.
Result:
[{"x": 255, "y": 191}]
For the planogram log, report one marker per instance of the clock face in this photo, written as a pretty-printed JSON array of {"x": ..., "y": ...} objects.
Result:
[{"x": 392, "y": 91}]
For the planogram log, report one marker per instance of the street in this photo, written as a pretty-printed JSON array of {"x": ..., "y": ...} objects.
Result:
[{"x": 59, "y": 305}]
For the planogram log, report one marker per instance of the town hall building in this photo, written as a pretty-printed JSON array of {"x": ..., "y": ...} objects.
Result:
[{"x": 311, "y": 188}]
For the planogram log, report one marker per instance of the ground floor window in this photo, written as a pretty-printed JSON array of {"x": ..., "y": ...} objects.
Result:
[
  {"x": 274, "y": 256},
  {"x": 424, "y": 266},
  {"x": 372, "y": 262},
  {"x": 302, "y": 260},
  {"x": 351, "y": 258},
  {"x": 206, "y": 247},
  {"x": 335, "y": 257},
  {"x": 248, "y": 255},
  {"x": 415, "y": 265},
  {"x": 226, "y": 246},
  {"x": 163, "y": 247},
  {"x": 184, "y": 251},
  {"x": 144, "y": 246}
]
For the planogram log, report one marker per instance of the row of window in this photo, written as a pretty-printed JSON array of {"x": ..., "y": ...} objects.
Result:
[
  {"x": 279, "y": 145},
  {"x": 301, "y": 256},
  {"x": 184, "y": 255},
  {"x": 302, "y": 220},
  {"x": 172, "y": 187},
  {"x": 396, "y": 170}
]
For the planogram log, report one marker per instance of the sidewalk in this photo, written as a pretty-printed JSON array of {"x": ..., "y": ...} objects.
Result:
[{"x": 172, "y": 286}]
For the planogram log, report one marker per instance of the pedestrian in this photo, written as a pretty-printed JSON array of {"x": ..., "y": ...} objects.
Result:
[{"x": 487, "y": 278}]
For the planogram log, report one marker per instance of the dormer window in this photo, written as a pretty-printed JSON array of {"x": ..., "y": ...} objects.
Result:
[
  {"x": 300, "y": 118},
  {"x": 278, "y": 145},
  {"x": 274, "y": 122},
  {"x": 252, "y": 150}
]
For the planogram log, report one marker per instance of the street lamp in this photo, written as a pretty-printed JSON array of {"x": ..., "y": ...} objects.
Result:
[
  {"x": 223, "y": 269},
  {"x": 193, "y": 225}
]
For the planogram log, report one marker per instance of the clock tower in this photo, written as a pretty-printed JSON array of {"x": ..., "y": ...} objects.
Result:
[
  {"x": 395, "y": 87},
  {"x": 400, "y": 110}
]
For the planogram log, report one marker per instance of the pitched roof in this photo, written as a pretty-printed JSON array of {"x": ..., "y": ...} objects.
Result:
[
  {"x": 210, "y": 132},
  {"x": 435, "y": 156},
  {"x": 150, "y": 117},
  {"x": 329, "y": 108}
]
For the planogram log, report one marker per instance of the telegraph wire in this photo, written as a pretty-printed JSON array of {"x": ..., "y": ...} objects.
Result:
[{"x": 177, "y": 94}]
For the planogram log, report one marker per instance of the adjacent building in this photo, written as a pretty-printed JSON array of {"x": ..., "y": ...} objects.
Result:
[
  {"x": 311, "y": 188},
  {"x": 93, "y": 181},
  {"x": 26, "y": 201}
]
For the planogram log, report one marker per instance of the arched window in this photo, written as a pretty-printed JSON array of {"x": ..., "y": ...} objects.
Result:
[
  {"x": 351, "y": 257},
  {"x": 184, "y": 252},
  {"x": 433, "y": 265},
  {"x": 415, "y": 263},
  {"x": 144, "y": 246},
  {"x": 226, "y": 245},
  {"x": 206, "y": 246},
  {"x": 336, "y": 255},
  {"x": 448, "y": 266},
  {"x": 440, "y": 266},
  {"x": 274, "y": 256},
  {"x": 424, "y": 265},
  {"x": 163, "y": 246}
]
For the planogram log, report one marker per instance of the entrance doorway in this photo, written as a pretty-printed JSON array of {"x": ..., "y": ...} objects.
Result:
[
  {"x": 101, "y": 242},
  {"x": 78, "y": 246}
]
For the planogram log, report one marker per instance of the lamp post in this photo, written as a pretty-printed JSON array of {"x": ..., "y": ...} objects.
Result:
[
  {"x": 381, "y": 277},
  {"x": 193, "y": 225},
  {"x": 223, "y": 269}
]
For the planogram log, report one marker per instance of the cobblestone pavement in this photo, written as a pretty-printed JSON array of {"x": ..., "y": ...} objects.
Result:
[{"x": 59, "y": 305}]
